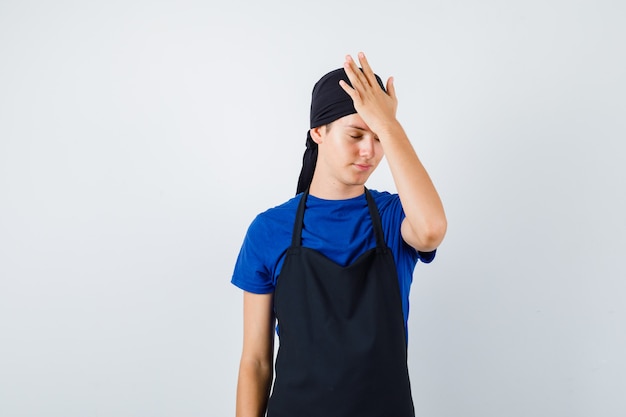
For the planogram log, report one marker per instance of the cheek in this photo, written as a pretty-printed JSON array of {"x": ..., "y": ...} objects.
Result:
[{"x": 380, "y": 153}]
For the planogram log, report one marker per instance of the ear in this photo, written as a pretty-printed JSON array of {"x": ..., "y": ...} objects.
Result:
[{"x": 317, "y": 134}]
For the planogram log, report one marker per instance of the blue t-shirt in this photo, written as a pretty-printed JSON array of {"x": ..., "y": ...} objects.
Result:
[{"x": 339, "y": 229}]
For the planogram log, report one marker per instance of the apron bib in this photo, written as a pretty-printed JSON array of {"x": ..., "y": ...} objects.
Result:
[{"x": 342, "y": 349}]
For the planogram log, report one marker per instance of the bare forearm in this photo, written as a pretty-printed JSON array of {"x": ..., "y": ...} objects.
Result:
[
  {"x": 253, "y": 388},
  {"x": 425, "y": 223},
  {"x": 421, "y": 203}
]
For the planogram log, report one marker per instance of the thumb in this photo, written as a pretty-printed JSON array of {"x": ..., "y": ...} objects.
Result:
[{"x": 391, "y": 90}]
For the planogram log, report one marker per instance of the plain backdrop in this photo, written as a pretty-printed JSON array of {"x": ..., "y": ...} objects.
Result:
[{"x": 138, "y": 140}]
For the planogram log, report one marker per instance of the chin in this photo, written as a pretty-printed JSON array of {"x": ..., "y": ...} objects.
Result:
[{"x": 359, "y": 181}]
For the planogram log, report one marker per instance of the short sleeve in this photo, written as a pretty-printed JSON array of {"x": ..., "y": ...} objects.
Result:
[
  {"x": 427, "y": 257},
  {"x": 251, "y": 272}
]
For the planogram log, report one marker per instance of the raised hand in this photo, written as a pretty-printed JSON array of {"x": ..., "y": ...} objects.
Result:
[{"x": 372, "y": 103}]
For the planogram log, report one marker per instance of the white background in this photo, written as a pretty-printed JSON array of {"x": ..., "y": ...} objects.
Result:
[{"x": 139, "y": 139}]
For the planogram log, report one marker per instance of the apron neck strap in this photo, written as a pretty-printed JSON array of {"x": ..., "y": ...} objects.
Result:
[
  {"x": 296, "y": 237},
  {"x": 376, "y": 222}
]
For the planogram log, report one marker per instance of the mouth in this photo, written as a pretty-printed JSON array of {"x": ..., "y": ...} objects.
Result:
[{"x": 363, "y": 167}]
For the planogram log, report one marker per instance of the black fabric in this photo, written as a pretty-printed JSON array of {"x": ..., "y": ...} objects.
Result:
[
  {"x": 329, "y": 102},
  {"x": 342, "y": 349},
  {"x": 309, "y": 160}
]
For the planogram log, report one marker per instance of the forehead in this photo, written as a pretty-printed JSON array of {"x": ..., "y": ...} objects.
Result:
[{"x": 351, "y": 121}]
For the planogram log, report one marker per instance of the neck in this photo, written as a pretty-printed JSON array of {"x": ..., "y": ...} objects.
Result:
[{"x": 334, "y": 190}]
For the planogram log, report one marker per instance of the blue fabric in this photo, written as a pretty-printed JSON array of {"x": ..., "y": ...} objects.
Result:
[{"x": 339, "y": 229}]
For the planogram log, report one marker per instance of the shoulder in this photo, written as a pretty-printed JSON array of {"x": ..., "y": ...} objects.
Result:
[
  {"x": 277, "y": 216},
  {"x": 386, "y": 201},
  {"x": 391, "y": 213},
  {"x": 267, "y": 238}
]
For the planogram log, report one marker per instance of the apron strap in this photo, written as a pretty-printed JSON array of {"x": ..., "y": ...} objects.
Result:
[
  {"x": 376, "y": 222},
  {"x": 296, "y": 236}
]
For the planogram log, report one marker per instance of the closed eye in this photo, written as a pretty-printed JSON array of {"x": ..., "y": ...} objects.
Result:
[{"x": 359, "y": 137}]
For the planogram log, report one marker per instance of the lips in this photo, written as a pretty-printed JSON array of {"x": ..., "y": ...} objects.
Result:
[{"x": 362, "y": 167}]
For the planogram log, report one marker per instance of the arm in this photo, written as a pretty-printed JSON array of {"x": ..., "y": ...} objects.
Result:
[
  {"x": 255, "y": 368},
  {"x": 425, "y": 224}
]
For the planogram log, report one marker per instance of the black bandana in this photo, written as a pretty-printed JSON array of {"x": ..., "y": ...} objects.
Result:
[{"x": 328, "y": 103}]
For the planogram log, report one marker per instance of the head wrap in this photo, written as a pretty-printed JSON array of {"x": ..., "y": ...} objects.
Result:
[{"x": 329, "y": 102}]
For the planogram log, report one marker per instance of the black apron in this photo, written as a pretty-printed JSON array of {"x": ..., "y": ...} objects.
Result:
[{"x": 342, "y": 349}]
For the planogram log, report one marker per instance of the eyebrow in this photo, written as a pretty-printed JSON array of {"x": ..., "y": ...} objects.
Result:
[{"x": 360, "y": 128}]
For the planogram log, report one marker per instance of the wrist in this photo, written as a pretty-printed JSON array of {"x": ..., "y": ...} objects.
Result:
[{"x": 388, "y": 128}]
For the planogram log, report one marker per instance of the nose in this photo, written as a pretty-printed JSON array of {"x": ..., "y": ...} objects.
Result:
[{"x": 366, "y": 149}]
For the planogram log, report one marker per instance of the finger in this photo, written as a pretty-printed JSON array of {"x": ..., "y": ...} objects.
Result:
[
  {"x": 391, "y": 89},
  {"x": 358, "y": 72},
  {"x": 367, "y": 69},
  {"x": 354, "y": 95},
  {"x": 354, "y": 73}
]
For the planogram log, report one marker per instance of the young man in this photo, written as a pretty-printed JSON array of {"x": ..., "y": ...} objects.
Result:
[{"x": 333, "y": 265}]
